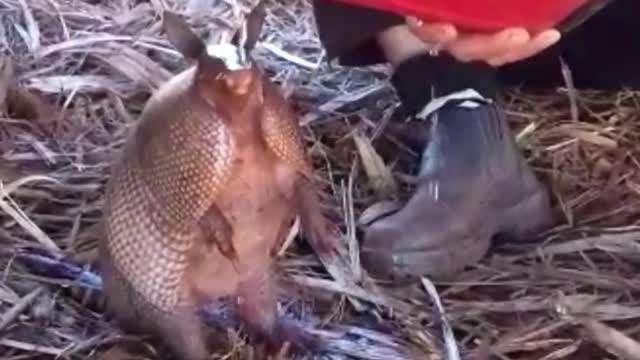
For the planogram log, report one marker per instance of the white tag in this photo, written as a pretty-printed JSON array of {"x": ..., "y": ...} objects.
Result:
[{"x": 437, "y": 103}]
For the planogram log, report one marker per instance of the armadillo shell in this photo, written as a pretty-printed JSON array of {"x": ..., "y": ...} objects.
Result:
[{"x": 481, "y": 15}]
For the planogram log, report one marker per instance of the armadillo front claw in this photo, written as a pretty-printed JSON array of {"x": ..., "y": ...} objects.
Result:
[
  {"x": 228, "y": 251},
  {"x": 217, "y": 231}
]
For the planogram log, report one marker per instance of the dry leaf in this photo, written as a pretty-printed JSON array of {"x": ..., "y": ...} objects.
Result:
[
  {"x": 380, "y": 177},
  {"x": 593, "y": 138},
  {"x": 612, "y": 340}
]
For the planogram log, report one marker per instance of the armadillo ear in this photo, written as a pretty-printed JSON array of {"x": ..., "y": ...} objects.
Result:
[
  {"x": 255, "y": 20},
  {"x": 181, "y": 36}
]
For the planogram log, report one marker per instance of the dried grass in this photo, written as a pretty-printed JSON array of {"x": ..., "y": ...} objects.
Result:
[{"x": 83, "y": 70}]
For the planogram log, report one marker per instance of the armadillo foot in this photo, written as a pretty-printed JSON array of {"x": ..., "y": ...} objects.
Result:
[
  {"x": 280, "y": 343},
  {"x": 184, "y": 333},
  {"x": 287, "y": 338},
  {"x": 296, "y": 336}
]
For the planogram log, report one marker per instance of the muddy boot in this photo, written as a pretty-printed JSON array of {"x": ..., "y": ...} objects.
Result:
[{"x": 474, "y": 184}]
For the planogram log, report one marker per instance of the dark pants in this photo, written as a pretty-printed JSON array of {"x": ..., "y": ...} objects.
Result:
[{"x": 604, "y": 53}]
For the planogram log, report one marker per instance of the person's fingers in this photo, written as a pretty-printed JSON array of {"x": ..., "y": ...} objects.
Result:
[
  {"x": 483, "y": 47},
  {"x": 432, "y": 33},
  {"x": 538, "y": 43},
  {"x": 497, "y": 49}
]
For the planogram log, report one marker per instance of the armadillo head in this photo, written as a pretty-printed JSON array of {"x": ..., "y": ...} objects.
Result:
[
  {"x": 226, "y": 84},
  {"x": 235, "y": 92}
]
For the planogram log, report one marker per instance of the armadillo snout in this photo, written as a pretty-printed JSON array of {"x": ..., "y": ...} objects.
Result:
[{"x": 239, "y": 82}]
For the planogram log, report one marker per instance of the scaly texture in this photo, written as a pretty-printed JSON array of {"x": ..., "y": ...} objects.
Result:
[
  {"x": 283, "y": 136},
  {"x": 135, "y": 241},
  {"x": 187, "y": 163},
  {"x": 170, "y": 173},
  {"x": 282, "y": 132}
]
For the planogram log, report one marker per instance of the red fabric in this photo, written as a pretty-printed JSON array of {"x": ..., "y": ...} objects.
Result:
[{"x": 482, "y": 15}]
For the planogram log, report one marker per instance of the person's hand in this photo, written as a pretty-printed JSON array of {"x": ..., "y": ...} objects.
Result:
[{"x": 497, "y": 49}]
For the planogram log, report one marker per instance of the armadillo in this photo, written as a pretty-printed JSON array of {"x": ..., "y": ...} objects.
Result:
[{"x": 205, "y": 190}]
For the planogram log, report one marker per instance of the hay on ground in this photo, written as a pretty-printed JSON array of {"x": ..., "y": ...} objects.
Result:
[{"x": 74, "y": 77}]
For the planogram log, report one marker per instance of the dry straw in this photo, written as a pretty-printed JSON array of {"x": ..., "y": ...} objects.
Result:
[{"x": 73, "y": 78}]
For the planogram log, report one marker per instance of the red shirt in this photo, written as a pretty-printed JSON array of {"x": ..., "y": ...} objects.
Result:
[{"x": 483, "y": 15}]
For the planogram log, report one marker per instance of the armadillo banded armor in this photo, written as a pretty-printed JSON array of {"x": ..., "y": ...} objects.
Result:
[
  {"x": 281, "y": 131},
  {"x": 135, "y": 245},
  {"x": 186, "y": 166},
  {"x": 165, "y": 182}
]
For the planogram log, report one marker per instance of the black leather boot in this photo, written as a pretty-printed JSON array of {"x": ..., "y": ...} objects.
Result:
[{"x": 474, "y": 184}]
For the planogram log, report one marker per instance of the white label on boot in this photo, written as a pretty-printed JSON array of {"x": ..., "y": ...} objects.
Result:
[{"x": 472, "y": 97}]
